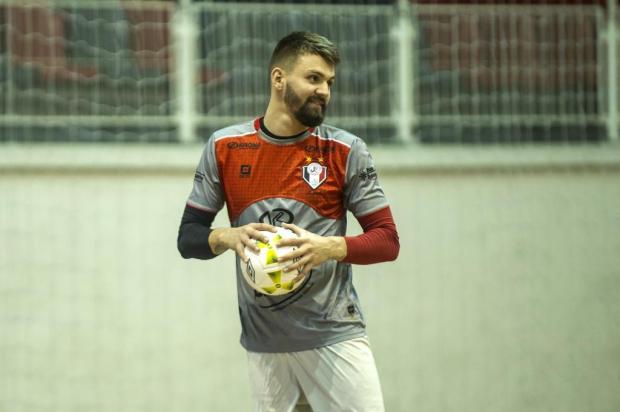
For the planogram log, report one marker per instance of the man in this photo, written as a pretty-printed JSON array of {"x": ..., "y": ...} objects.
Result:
[{"x": 288, "y": 169}]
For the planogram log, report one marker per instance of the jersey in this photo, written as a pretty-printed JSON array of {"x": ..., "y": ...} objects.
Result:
[{"x": 310, "y": 180}]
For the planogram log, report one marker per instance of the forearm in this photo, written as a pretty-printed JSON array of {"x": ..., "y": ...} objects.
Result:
[
  {"x": 378, "y": 243},
  {"x": 194, "y": 234},
  {"x": 193, "y": 242}
]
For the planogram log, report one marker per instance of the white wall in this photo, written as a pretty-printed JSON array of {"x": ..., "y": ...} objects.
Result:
[{"x": 505, "y": 297}]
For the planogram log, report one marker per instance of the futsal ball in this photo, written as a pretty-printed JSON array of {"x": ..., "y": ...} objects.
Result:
[{"x": 263, "y": 270}]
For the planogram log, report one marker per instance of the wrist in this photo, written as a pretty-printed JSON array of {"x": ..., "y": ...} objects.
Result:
[
  {"x": 338, "y": 247},
  {"x": 215, "y": 241}
]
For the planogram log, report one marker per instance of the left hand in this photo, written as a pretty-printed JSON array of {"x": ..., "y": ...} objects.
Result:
[{"x": 312, "y": 249}]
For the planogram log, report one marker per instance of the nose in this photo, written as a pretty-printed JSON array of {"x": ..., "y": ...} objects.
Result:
[{"x": 323, "y": 90}]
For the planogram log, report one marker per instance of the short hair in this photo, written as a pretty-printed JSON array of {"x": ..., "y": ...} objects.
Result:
[{"x": 298, "y": 43}]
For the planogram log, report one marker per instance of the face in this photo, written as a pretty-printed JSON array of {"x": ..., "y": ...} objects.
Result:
[{"x": 308, "y": 88}]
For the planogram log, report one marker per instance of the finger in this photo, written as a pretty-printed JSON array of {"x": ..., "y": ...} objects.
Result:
[
  {"x": 305, "y": 271},
  {"x": 255, "y": 234},
  {"x": 299, "y": 277},
  {"x": 298, "y": 265},
  {"x": 296, "y": 229},
  {"x": 251, "y": 244},
  {"x": 293, "y": 241},
  {"x": 292, "y": 255},
  {"x": 241, "y": 253},
  {"x": 263, "y": 226}
]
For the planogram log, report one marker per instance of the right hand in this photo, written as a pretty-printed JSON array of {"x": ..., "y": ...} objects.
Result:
[{"x": 237, "y": 238}]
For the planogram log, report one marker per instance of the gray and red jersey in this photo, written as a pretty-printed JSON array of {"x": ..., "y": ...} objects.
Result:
[{"x": 311, "y": 180}]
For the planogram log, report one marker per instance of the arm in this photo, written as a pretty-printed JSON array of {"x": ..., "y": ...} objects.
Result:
[
  {"x": 363, "y": 194},
  {"x": 378, "y": 243},
  {"x": 312, "y": 249},
  {"x": 197, "y": 239},
  {"x": 193, "y": 239}
]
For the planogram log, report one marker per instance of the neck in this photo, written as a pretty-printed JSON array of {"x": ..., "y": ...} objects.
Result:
[{"x": 279, "y": 121}]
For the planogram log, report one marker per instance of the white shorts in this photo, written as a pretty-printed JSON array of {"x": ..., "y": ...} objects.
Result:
[{"x": 335, "y": 378}]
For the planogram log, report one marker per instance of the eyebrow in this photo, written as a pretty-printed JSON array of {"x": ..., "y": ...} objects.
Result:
[{"x": 320, "y": 74}]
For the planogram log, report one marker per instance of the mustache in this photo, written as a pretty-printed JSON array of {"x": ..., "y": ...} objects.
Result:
[{"x": 318, "y": 100}]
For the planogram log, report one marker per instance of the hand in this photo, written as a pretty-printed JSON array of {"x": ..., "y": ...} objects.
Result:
[
  {"x": 312, "y": 250},
  {"x": 237, "y": 238}
]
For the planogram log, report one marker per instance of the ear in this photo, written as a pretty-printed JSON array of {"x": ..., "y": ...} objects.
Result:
[{"x": 278, "y": 78}]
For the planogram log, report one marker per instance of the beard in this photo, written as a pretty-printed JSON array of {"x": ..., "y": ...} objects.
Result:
[{"x": 309, "y": 113}]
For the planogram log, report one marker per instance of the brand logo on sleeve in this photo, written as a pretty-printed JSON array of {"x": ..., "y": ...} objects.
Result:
[
  {"x": 199, "y": 176},
  {"x": 368, "y": 174}
]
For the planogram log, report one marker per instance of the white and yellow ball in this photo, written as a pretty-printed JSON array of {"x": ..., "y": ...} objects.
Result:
[{"x": 265, "y": 272}]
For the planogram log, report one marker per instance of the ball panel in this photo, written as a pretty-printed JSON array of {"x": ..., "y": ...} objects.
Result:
[{"x": 264, "y": 273}]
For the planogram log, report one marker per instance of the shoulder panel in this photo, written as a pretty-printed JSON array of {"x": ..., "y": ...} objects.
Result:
[
  {"x": 235, "y": 130},
  {"x": 335, "y": 134}
]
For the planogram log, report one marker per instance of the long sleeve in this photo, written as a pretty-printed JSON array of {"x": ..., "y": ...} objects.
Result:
[
  {"x": 193, "y": 239},
  {"x": 378, "y": 243}
]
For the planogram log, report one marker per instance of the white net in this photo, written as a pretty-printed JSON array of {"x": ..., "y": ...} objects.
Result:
[
  {"x": 238, "y": 43},
  {"x": 86, "y": 71},
  {"x": 510, "y": 73},
  {"x": 431, "y": 71}
]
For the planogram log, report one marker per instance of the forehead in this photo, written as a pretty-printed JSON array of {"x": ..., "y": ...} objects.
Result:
[{"x": 313, "y": 62}]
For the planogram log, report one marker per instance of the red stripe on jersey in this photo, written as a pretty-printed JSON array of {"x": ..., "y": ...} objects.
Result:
[{"x": 253, "y": 169}]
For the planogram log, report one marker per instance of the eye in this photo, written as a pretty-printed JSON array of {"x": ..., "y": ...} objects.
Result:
[{"x": 313, "y": 78}]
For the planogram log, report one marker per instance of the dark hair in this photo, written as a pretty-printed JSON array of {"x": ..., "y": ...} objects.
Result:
[{"x": 298, "y": 43}]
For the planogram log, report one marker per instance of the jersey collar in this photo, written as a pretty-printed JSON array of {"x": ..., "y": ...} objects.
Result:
[{"x": 264, "y": 134}]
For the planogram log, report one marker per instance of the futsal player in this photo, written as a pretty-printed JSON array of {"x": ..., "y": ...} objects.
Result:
[{"x": 307, "y": 349}]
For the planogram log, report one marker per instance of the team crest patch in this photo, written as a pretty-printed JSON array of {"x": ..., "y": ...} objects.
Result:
[{"x": 314, "y": 174}]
